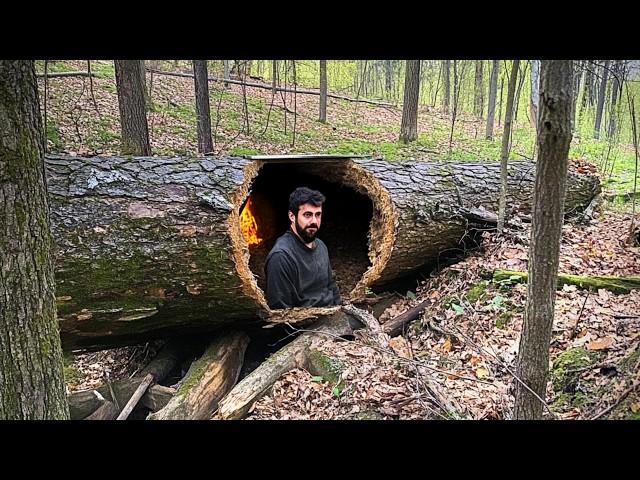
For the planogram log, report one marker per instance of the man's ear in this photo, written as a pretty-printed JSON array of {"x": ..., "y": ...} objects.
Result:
[{"x": 292, "y": 217}]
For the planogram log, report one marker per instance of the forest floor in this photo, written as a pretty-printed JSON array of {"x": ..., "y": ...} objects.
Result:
[{"x": 466, "y": 340}]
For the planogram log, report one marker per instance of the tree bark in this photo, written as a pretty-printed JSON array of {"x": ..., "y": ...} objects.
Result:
[
  {"x": 205, "y": 142},
  {"x": 602, "y": 91},
  {"x": 554, "y": 138},
  {"x": 131, "y": 102},
  {"x": 493, "y": 90},
  {"x": 506, "y": 141},
  {"x": 225, "y": 73},
  {"x": 150, "y": 247},
  {"x": 409, "y": 125},
  {"x": 616, "y": 88},
  {"x": 478, "y": 98},
  {"x": 447, "y": 85},
  {"x": 31, "y": 376},
  {"x": 323, "y": 91}
]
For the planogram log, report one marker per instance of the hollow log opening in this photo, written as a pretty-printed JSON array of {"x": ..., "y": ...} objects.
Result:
[{"x": 346, "y": 218}]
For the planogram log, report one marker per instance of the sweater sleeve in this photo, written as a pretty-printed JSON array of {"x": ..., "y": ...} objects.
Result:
[{"x": 280, "y": 281}]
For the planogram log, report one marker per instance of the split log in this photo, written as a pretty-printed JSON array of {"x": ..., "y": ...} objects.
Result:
[
  {"x": 236, "y": 404},
  {"x": 613, "y": 284},
  {"x": 83, "y": 403},
  {"x": 148, "y": 247},
  {"x": 207, "y": 381},
  {"x": 107, "y": 411}
]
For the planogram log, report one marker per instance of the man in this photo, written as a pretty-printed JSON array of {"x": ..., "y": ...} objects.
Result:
[{"x": 298, "y": 268}]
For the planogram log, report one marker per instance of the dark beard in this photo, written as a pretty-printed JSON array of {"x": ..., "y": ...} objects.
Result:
[{"x": 304, "y": 234}]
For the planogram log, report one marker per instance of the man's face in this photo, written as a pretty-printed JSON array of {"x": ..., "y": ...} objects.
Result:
[{"x": 307, "y": 222}]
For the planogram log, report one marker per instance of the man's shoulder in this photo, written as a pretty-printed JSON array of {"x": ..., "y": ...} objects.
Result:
[{"x": 283, "y": 244}]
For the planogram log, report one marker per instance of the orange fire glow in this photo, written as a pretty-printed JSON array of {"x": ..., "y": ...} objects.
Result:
[{"x": 248, "y": 225}]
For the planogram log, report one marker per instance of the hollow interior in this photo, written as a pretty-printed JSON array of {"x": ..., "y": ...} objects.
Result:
[{"x": 346, "y": 218}]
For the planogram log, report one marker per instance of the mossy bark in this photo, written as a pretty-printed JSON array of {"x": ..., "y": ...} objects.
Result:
[
  {"x": 209, "y": 378},
  {"x": 31, "y": 368}
]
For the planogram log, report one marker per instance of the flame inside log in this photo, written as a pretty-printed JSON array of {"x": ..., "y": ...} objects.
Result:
[{"x": 249, "y": 226}]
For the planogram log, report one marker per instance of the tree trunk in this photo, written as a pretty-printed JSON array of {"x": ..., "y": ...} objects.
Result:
[
  {"x": 225, "y": 73},
  {"x": 493, "y": 90},
  {"x": 149, "y": 247},
  {"x": 587, "y": 95},
  {"x": 323, "y": 91},
  {"x": 577, "y": 73},
  {"x": 205, "y": 142},
  {"x": 506, "y": 141},
  {"x": 274, "y": 79},
  {"x": 535, "y": 92},
  {"x": 601, "y": 97},
  {"x": 388, "y": 77},
  {"x": 133, "y": 114},
  {"x": 615, "y": 89},
  {"x": 208, "y": 380},
  {"x": 447, "y": 85},
  {"x": 554, "y": 138},
  {"x": 409, "y": 125},
  {"x": 478, "y": 98},
  {"x": 31, "y": 379}
]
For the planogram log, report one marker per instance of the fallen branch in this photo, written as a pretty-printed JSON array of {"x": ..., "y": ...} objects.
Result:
[
  {"x": 65, "y": 74},
  {"x": 135, "y": 398},
  {"x": 613, "y": 284},
  {"x": 395, "y": 326},
  {"x": 624, "y": 395},
  {"x": 270, "y": 87}
]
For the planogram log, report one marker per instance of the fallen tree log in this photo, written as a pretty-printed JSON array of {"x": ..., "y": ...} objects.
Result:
[
  {"x": 236, "y": 404},
  {"x": 148, "y": 247},
  {"x": 265, "y": 86},
  {"x": 135, "y": 398},
  {"x": 85, "y": 403},
  {"x": 209, "y": 378},
  {"x": 65, "y": 74},
  {"x": 613, "y": 284}
]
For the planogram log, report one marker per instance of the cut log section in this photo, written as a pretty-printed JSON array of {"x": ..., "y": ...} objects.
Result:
[
  {"x": 236, "y": 404},
  {"x": 613, "y": 284},
  {"x": 149, "y": 246},
  {"x": 207, "y": 381}
]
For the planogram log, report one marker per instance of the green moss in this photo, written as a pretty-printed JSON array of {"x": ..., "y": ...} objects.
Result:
[
  {"x": 477, "y": 291},
  {"x": 194, "y": 375},
  {"x": 574, "y": 358},
  {"x": 72, "y": 375},
  {"x": 329, "y": 368},
  {"x": 566, "y": 400}
]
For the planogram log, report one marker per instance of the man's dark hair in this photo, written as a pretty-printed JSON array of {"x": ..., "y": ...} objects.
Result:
[{"x": 302, "y": 195}]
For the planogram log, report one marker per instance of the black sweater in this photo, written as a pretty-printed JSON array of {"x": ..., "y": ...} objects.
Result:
[{"x": 299, "y": 276}]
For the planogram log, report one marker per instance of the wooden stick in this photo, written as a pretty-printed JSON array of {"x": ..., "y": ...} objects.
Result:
[
  {"x": 624, "y": 395},
  {"x": 394, "y": 326},
  {"x": 137, "y": 395}
]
